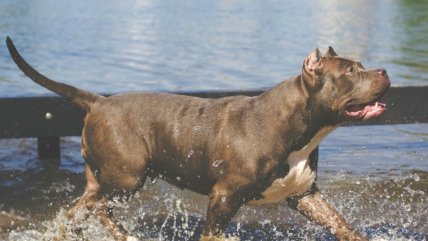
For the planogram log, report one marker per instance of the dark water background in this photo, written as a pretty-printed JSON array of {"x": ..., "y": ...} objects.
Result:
[{"x": 377, "y": 176}]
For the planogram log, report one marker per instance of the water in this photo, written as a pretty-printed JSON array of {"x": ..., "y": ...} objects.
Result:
[
  {"x": 377, "y": 176},
  {"x": 175, "y": 45}
]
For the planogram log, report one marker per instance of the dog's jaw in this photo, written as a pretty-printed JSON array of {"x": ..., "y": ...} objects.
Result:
[{"x": 365, "y": 112}]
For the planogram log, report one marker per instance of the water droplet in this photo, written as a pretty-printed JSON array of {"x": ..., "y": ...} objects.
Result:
[
  {"x": 216, "y": 163},
  {"x": 190, "y": 154}
]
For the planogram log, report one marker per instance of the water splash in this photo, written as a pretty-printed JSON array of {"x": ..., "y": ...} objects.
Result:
[{"x": 158, "y": 214}]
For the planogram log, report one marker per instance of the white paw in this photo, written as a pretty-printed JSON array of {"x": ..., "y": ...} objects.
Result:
[
  {"x": 232, "y": 239},
  {"x": 222, "y": 238},
  {"x": 378, "y": 239},
  {"x": 130, "y": 238}
]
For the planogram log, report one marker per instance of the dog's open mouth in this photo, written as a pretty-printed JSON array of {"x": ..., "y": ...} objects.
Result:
[{"x": 365, "y": 111}]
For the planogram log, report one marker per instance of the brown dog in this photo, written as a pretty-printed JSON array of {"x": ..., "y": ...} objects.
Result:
[{"x": 238, "y": 150}]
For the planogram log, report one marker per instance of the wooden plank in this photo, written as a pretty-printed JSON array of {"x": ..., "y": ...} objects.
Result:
[
  {"x": 54, "y": 116},
  {"x": 48, "y": 149},
  {"x": 39, "y": 117}
]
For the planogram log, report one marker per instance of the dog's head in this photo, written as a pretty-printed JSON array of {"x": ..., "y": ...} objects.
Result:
[{"x": 342, "y": 89}]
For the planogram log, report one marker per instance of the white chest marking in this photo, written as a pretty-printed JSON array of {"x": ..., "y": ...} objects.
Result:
[{"x": 300, "y": 176}]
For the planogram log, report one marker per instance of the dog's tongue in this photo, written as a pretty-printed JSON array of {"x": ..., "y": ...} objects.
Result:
[{"x": 366, "y": 112}]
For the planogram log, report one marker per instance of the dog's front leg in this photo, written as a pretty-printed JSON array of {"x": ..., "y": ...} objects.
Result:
[
  {"x": 225, "y": 201},
  {"x": 314, "y": 207}
]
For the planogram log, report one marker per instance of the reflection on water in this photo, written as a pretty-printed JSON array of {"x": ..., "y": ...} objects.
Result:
[
  {"x": 413, "y": 45},
  {"x": 378, "y": 179},
  {"x": 170, "y": 45},
  {"x": 346, "y": 24}
]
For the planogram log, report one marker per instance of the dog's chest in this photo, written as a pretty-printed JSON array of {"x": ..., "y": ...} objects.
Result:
[{"x": 300, "y": 176}]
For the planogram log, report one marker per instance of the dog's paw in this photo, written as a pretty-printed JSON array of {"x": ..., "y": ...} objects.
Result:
[
  {"x": 232, "y": 239},
  {"x": 131, "y": 238},
  {"x": 378, "y": 239},
  {"x": 222, "y": 238}
]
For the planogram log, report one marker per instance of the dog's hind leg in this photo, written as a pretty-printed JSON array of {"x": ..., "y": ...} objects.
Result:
[
  {"x": 86, "y": 202},
  {"x": 104, "y": 213},
  {"x": 104, "y": 206},
  {"x": 117, "y": 164},
  {"x": 95, "y": 200}
]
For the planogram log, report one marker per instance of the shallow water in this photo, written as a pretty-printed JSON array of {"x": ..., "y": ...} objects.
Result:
[{"x": 377, "y": 176}]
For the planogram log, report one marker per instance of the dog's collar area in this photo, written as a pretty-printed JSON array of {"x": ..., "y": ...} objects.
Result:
[{"x": 365, "y": 111}]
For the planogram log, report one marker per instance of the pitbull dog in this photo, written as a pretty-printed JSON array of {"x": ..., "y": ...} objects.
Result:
[{"x": 237, "y": 150}]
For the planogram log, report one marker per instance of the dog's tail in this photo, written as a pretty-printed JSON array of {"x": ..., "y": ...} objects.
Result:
[{"x": 82, "y": 98}]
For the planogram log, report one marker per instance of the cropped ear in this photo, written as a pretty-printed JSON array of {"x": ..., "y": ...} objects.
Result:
[
  {"x": 312, "y": 68},
  {"x": 330, "y": 52},
  {"x": 312, "y": 62}
]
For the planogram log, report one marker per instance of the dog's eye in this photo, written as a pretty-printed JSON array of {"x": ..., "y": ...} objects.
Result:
[{"x": 350, "y": 70}]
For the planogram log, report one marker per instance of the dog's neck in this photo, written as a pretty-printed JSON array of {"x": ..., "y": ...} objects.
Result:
[{"x": 295, "y": 111}]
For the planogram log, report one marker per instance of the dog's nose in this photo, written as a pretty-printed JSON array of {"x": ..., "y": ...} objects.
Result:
[
  {"x": 384, "y": 76},
  {"x": 381, "y": 72}
]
